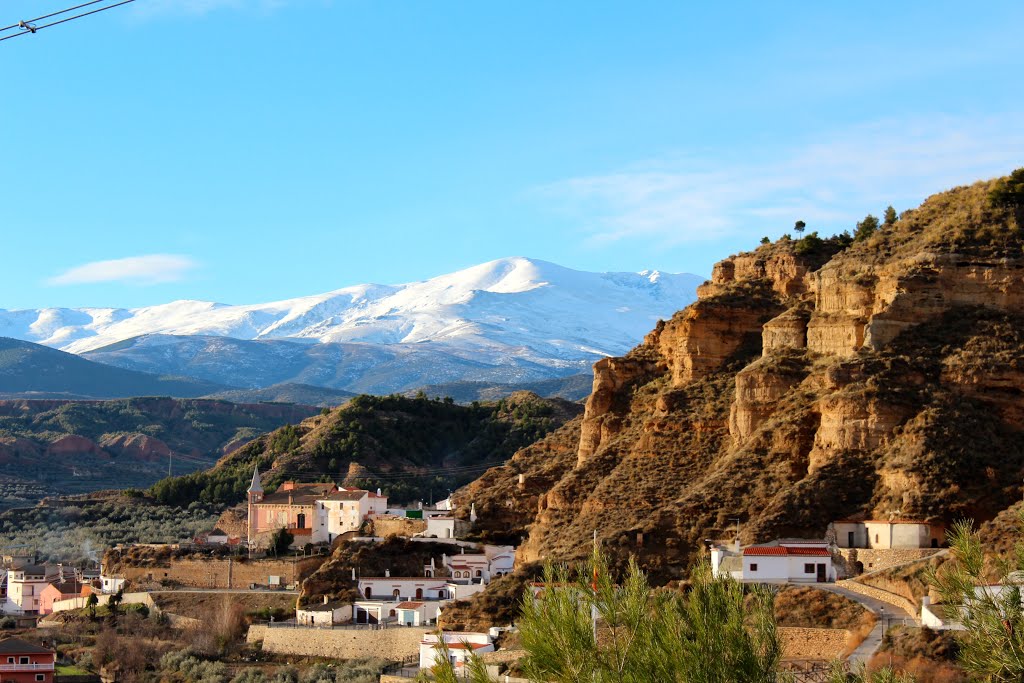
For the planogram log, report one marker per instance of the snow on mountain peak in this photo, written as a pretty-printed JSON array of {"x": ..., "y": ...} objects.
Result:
[{"x": 508, "y": 306}]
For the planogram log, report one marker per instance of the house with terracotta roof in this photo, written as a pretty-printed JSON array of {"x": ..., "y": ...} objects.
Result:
[
  {"x": 788, "y": 561},
  {"x": 62, "y": 590},
  {"x": 24, "y": 662},
  {"x": 293, "y": 507},
  {"x": 417, "y": 613},
  {"x": 346, "y": 510},
  {"x": 461, "y": 645}
]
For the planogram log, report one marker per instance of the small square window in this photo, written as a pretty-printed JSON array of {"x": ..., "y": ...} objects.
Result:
[
  {"x": 808, "y": 569},
  {"x": 753, "y": 566},
  {"x": 22, "y": 660},
  {"x": 40, "y": 677},
  {"x": 10, "y": 660}
]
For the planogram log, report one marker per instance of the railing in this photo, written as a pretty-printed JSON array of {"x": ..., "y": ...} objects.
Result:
[
  {"x": 46, "y": 666},
  {"x": 291, "y": 623}
]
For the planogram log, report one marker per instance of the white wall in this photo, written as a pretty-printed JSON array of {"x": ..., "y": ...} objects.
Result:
[{"x": 769, "y": 568}]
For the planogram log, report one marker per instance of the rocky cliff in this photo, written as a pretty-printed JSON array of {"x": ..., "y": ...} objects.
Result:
[{"x": 812, "y": 380}]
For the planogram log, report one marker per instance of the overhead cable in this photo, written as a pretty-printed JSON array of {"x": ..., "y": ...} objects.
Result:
[{"x": 29, "y": 25}]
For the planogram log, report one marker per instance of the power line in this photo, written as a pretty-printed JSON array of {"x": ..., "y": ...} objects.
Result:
[
  {"x": 31, "y": 28},
  {"x": 52, "y": 14}
]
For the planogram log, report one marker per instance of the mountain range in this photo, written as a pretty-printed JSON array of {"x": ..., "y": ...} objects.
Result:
[{"x": 510, "y": 321}]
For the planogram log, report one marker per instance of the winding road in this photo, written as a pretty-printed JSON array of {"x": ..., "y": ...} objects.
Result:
[{"x": 885, "y": 612}]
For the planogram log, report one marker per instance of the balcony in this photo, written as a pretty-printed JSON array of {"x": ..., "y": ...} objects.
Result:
[{"x": 46, "y": 666}]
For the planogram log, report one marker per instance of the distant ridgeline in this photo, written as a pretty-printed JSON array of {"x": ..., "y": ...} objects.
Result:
[
  {"x": 413, "y": 448},
  {"x": 50, "y": 447}
]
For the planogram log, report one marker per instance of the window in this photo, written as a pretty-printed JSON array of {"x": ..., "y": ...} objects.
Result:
[
  {"x": 753, "y": 566},
  {"x": 22, "y": 660},
  {"x": 808, "y": 569},
  {"x": 40, "y": 677},
  {"x": 876, "y": 538},
  {"x": 10, "y": 660}
]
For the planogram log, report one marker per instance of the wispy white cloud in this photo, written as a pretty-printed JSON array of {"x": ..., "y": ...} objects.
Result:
[
  {"x": 828, "y": 181},
  {"x": 149, "y": 269}
]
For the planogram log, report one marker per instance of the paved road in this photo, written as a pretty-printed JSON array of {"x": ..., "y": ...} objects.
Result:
[{"x": 885, "y": 612}]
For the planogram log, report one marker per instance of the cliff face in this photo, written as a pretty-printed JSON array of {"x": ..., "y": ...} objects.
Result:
[{"x": 802, "y": 387}]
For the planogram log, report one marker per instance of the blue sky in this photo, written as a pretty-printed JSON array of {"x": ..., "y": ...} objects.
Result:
[{"x": 250, "y": 150}]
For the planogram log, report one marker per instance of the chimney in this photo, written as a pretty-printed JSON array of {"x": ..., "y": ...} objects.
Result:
[
  {"x": 387, "y": 572},
  {"x": 325, "y": 599},
  {"x": 522, "y": 481},
  {"x": 736, "y": 545},
  {"x": 353, "y": 573}
]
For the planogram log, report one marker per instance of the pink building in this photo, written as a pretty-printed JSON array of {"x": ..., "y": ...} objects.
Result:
[
  {"x": 292, "y": 507},
  {"x": 65, "y": 590}
]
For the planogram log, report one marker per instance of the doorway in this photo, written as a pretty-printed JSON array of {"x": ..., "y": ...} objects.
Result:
[{"x": 822, "y": 574}]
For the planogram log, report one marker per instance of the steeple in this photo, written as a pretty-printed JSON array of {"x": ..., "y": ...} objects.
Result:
[{"x": 255, "y": 486}]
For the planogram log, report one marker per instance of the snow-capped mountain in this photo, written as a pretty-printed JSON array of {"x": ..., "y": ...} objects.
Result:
[{"x": 499, "y": 321}]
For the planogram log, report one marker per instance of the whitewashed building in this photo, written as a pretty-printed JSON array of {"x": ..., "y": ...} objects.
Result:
[
  {"x": 325, "y": 614},
  {"x": 788, "y": 562},
  {"x": 345, "y": 510},
  {"x": 412, "y": 613},
  {"x": 889, "y": 534},
  {"x": 25, "y": 585},
  {"x": 440, "y": 526},
  {"x": 460, "y": 647}
]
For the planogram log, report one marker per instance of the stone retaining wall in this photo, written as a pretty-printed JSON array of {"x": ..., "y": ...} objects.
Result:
[
  {"x": 391, "y": 644},
  {"x": 392, "y": 525},
  {"x": 846, "y": 559},
  {"x": 223, "y": 573},
  {"x": 879, "y": 594}
]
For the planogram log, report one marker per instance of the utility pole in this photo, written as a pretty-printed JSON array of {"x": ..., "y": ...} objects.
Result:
[{"x": 170, "y": 454}]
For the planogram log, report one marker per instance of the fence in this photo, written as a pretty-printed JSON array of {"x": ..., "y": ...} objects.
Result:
[
  {"x": 291, "y": 623},
  {"x": 808, "y": 671}
]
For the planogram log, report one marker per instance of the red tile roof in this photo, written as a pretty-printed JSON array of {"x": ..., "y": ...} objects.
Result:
[
  {"x": 783, "y": 551},
  {"x": 409, "y": 605}
]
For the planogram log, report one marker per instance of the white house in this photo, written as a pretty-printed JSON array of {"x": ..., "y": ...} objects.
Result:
[
  {"x": 888, "y": 534},
  {"x": 111, "y": 583},
  {"x": 325, "y": 614},
  {"x": 726, "y": 561},
  {"x": 937, "y": 617},
  {"x": 502, "y": 559},
  {"x": 344, "y": 511},
  {"x": 411, "y": 613},
  {"x": 495, "y": 560},
  {"x": 440, "y": 526},
  {"x": 399, "y": 588},
  {"x": 788, "y": 561},
  {"x": 25, "y": 584},
  {"x": 933, "y": 616},
  {"x": 460, "y": 647}
]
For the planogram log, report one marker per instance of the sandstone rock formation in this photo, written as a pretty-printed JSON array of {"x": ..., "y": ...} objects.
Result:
[{"x": 808, "y": 382}]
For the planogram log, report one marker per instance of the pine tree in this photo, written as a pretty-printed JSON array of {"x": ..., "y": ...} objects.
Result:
[
  {"x": 992, "y": 644},
  {"x": 866, "y": 228},
  {"x": 890, "y": 217},
  {"x": 799, "y": 227}
]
